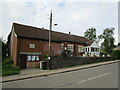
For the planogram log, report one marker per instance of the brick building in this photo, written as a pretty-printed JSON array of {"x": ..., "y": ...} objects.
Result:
[{"x": 28, "y": 45}]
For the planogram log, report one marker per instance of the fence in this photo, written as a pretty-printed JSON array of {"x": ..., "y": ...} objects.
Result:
[{"x": 60, "y": 62}]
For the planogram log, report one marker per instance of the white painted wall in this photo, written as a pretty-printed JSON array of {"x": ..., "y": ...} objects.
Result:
[{"x": 94, "y": 45}]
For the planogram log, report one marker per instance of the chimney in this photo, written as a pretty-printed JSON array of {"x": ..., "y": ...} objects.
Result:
[{"x": 69, "y": 32}]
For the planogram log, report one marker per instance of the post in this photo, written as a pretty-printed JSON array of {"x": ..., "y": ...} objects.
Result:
[{"x": 50, "y": 33}]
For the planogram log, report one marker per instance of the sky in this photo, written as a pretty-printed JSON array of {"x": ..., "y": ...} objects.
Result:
[{"x": 74, "y": 16}]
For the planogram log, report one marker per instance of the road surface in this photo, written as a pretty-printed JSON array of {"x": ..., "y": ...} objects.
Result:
[{"x": 105, "y": 76}]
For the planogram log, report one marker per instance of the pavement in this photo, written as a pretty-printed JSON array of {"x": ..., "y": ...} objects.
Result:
[{"x": 36, "y": 72}]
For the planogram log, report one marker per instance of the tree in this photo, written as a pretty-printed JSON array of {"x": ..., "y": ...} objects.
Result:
[
  {"x": 108, "y": 40},
  {"x": 4, "y": 48},
  {"x": 8, "y": 38},
  {"x": 8, "y": 43},
  {"x": 90, "y": 34}
]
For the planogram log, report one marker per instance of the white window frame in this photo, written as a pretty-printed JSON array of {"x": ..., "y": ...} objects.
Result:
[
  {"x": 31, "y": 45},
  {"x": 80, "y": 48},
  {"x": 70, "y": 47}
]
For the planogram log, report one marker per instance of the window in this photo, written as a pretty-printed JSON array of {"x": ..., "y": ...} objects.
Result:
[
  {"x": 70, "y": 47},
  {"x": 37, "y": 58},
  {"x": 62, "y": 46},
  {"x": 91, "y": 49},
  {"x": 80, "y": 48},
  {"x": 33, "y": 58},
  {"x": 29, "y": 58},
  {"x": 88, "y": 49},
  {"x": 94, "y": 49},
  {"x": 83, "y": 50},
  {"x": 31, "y": 45},
  {"x": 97, "y": 49}
]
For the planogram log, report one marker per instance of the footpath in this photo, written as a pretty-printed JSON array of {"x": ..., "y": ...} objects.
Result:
[{"x": 36, "y": 72}]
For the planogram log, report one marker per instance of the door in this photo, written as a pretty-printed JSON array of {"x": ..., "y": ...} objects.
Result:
[{"x": 23, "y": 61}]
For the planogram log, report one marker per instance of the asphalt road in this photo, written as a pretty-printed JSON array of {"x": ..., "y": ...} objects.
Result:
[{"x": 105, "y": 76}]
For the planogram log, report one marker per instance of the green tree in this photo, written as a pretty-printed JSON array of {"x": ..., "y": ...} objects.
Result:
[
  {"x": 8, "y": 43},
  {"x": 4, "y": 48},
  {"x": 90, "y": 34},
  {"x": 108, "y": 40}
]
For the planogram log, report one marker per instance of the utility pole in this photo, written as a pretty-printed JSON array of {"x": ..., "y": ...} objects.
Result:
[{"x": 50, "y": 34}]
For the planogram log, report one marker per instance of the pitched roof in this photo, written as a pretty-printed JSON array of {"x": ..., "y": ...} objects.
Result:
[
  {"x": 43, "y": 34},
  {"x": 89, "y": 42}
]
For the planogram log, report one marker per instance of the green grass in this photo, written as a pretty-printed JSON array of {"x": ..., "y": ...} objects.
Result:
[{"x": 8, "y": 68}]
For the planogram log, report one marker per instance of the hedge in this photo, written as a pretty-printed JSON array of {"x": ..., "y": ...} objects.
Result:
[{"x": 116, "y": 54}]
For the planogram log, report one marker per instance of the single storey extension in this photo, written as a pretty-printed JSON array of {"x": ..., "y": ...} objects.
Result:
[{"x": 28, "y": 45}]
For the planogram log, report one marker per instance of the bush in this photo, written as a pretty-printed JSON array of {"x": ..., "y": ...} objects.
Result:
[
  {"x": 7, "y": 60},
  {"x": 46, "y": 55},
  {"x": 116, "y": 54},
  {"x": 8, "y": 68}
]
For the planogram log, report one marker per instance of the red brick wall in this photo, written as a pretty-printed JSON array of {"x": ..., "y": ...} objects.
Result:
[
  {"x": 46, "y": 47},
  {"x": 55, "y": 48},
  {"x": 40, "y": 47},
  {"x": 33, "y": 64},
  {"x": 14, "y": 48},
  {"x": 24, "y": 45}
]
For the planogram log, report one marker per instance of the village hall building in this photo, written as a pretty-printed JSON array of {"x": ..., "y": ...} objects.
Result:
[{"x": 28, "y": 45}]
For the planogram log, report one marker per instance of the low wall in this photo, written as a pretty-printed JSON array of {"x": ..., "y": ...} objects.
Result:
[
  {"x": 60, "y": 62},
  {"x": 33, "y": 64}
]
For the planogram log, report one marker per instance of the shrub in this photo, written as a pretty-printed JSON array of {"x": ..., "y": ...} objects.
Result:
[
  {"x": 46, "y": 55},
  {"x": 116, "y": 54},
  {"x": 7, "y": 60},
  {"x": 8, "y": 68}
]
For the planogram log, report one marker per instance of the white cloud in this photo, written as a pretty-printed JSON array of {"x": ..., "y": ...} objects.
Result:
[{"x": 70, "y": 16}]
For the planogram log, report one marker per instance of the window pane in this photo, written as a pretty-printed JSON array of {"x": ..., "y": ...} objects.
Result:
[
  {"x": 70, "y": 48},
  {"x": 37, "y": 58},
  {"x": 32, "y": 45},
  {"x": 97, "y": 49},
  {"x": 29, "y": 58},
  {"x": 80, "y": 49},
  {"x": 33, "y": 58}
]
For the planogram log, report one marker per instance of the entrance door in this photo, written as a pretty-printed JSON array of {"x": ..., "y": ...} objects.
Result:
[{"x": 23, "y": 61}]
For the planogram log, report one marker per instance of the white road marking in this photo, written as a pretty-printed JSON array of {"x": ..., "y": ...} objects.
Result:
[{"x": 93, "y": 77}]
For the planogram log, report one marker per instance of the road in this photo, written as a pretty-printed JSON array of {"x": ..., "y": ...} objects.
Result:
[{"x": 105, "y": 76}]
